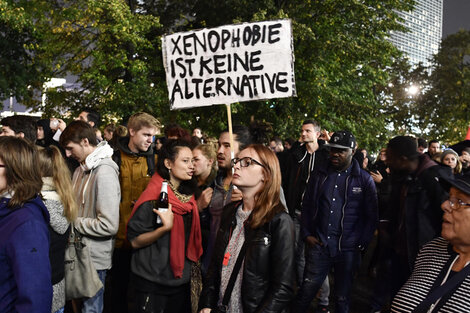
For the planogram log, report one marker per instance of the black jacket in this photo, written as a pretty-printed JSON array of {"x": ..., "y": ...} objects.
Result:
[
  {"x": 268, "y": 271},
  {"x": 296, "y": 173},
  {"x": 416, "y": 203},
  {"x": 359, "y": 214}
]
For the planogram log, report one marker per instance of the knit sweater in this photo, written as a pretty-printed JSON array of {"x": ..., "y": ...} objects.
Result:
[{"x": 58, "y": 231}]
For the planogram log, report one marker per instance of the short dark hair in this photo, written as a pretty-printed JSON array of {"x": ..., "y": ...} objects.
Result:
[
  {"x": 93, "y": 116},
  {"x": 434, "y": 141},
  {"x": 170, "y": 150},
  {"x": 22, "y": 124},
  {"x": 76, "y": 131},
  {"x": 277, "y": 140},
  {"x": 289, "y": 140},
  {"x": 315, "y": 124},
  {"x": 422, "y": 143},
  {"x": 242, "y": 135}
]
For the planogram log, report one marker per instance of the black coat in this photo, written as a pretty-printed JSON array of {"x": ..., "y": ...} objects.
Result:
[
  {"x": 296, "y": 169},
  {"x": 268, "y": 272},
  {"x": 416, "y": 206}
]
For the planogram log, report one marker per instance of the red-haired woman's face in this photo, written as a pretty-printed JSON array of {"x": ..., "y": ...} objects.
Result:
[{"x": 248, "y": 171}]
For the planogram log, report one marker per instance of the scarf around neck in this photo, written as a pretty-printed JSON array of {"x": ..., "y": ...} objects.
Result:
[{"x": 177, "y": 236}]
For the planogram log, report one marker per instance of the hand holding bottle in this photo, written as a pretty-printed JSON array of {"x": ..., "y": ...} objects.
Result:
[{"x": 166, "y": 217}]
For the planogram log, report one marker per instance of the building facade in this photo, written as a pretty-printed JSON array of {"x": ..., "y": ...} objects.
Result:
[{"x": 424, "y": 37}]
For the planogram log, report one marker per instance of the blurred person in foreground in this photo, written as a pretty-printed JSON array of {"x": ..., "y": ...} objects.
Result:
[
  {"x": 266, "y": 281},
  {"x": 440, "y": 281},
  {"x": 414, "y": 206},
  {"x": 25, "y": 275}
]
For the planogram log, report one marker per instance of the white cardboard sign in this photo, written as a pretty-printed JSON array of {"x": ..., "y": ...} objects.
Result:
[{"x": 231, "y": 63}]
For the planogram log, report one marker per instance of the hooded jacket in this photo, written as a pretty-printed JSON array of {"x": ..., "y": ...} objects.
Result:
[
  {"x": 25, "y": 275},
  {"x": 296, "y": 173},
  {"x": 96, "y": 186}
]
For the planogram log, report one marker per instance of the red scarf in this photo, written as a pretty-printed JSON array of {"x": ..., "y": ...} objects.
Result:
[{"x": 177, "y": 236}]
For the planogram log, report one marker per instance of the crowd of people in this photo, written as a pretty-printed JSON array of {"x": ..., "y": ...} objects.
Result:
[{"x": 255, "y": 224}]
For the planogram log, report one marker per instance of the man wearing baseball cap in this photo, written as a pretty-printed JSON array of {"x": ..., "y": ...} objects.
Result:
[{"x": 339, "y": 217}]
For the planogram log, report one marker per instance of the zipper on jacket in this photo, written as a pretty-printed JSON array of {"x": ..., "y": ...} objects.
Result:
[
  {"x": 342, "y": 210},
  {"x": 310, "y": 169},
  {"x": 316, "y": 202}
]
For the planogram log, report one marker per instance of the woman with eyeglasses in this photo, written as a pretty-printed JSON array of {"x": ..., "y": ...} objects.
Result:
[
  {"x": 440, "y": 281},
  {"x": 25, "y": 270},
  {"x": 252, "y": 269}
]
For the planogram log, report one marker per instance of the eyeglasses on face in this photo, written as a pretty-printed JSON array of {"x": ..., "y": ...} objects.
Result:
[
  {"x": 457, "y": 204},
  {"x": 245, "y": 162}
]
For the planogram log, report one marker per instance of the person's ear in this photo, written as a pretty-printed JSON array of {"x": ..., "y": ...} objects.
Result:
[
  {"x": 84, "y": 142},
  {"x": 167, "y": 164}
]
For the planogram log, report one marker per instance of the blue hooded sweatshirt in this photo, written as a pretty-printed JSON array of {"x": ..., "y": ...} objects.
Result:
[{"x": 25, "y": 275}]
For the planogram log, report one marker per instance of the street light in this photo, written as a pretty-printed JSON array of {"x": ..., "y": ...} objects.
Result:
[{"x": 413, "y": 90}]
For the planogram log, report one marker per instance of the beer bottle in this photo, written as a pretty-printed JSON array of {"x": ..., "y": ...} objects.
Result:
[{"x": 162, "y": 203}]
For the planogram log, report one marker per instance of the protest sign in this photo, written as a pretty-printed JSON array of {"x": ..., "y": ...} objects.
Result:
[{"x": 227, "y": 64}]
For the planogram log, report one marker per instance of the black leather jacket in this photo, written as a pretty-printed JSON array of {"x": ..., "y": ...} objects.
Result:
[{"x": 268, "y": 272}]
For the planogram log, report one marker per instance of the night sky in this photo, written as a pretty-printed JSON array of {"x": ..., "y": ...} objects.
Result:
[{"x": 456, "y": 16}]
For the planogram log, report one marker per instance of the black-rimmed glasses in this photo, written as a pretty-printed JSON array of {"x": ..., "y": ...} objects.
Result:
[{"x": 245, "y": 162}]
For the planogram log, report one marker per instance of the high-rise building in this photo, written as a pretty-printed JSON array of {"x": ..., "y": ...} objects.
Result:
[{"x": 424, "y": 37}]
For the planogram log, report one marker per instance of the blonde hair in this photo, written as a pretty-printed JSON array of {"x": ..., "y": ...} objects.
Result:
[
  {"x": 52, "y": 164},
  {"x": 142, "y": 119},
  {"x": 268, "y": 198},
  {"x": 209, "y": 152}
]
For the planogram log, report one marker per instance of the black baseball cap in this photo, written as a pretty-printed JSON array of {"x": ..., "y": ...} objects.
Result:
[{"x": 342, "y": 139}]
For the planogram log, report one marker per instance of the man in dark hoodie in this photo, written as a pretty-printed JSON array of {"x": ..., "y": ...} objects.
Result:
[
  {"x": 136, "y": 158},
  {"x": 415, "y": 201},
  {"x": 305, "y": 156}
]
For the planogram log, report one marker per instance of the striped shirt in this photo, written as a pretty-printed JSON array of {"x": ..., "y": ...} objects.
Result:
[{"x": 431, "y": 266}]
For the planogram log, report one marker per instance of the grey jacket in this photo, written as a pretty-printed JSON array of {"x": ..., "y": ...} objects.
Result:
[{"x": 96, "y": 186}]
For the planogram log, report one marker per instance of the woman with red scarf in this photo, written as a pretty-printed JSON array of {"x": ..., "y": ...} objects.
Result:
[{"x": 163, "y": 255}]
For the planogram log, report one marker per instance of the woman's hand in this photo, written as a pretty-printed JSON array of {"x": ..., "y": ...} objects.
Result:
[
  {"x": 237, "y": 195},
  {"x": 205, "y": 310},
  {"x": 166, "y": 217}
]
